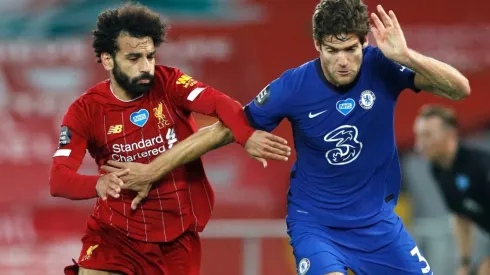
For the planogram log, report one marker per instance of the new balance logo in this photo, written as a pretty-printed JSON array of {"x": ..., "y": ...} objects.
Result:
[{"x": 115, "y": 129}]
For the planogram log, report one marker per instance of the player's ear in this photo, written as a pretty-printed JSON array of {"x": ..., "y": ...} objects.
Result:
[
  {"x": 366, "y": 42},
  {"x": 318, "y": 46},
  {"x": 107, "y": 61}
]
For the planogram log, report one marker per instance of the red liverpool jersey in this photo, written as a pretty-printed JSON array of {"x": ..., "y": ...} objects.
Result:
[{"x": 139, "y": 131}]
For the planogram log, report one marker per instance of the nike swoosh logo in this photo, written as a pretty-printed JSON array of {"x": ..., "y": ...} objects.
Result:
[{"x": 315, "y": 115}]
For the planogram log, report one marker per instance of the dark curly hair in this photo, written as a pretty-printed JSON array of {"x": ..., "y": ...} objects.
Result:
[
  {"x": 134, "y": 19},
  {"x": 338, "y": 18}
]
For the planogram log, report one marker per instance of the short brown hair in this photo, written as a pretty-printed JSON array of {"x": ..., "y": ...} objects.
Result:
[
  {"x": 340, "y": 17},
  {"x": 447, "y": 115},
  {"x": 132, "y": 18}
]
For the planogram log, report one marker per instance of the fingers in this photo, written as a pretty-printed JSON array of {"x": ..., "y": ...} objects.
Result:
[
  {"x": 278, "y": 153},
  {"x": 122, "y": 173},
  {"x": 283, "y": 148},
  {"x": 384, "y": 16},
  {"x": 114, "y": 187},
  {"x": 275, "y": 138},
  {"x": 117, "y": 164},
  {"x": 109, "y": 169},
  {"x": 376, "y": 33},
  {"x": 140, "y": 197},
  {"x": 263, "y": 161},
  {"x": 379, "y": 25},
  {"x": 112, "y": 193},
  {"x": 272, "y": 156},
  {"x": 136, "y": 201},
  {"x": 394, "y": 19},
  {"x": 115, "y": 179}
]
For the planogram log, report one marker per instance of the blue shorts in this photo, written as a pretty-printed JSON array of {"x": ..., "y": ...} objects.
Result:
[{"x": 384, "y": 248}]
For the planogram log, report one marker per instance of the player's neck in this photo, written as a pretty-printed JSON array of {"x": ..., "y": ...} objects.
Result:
[{"x": 119, "y": 92}]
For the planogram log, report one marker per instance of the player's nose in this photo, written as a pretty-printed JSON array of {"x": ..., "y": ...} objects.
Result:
[
  {"x": 145, "y": 66},
  {"x": 342, "y": 61}
]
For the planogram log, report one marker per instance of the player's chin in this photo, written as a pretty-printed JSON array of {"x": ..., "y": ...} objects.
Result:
[
  {"x": 140, "y": 89},
  {"x": 344, "y": 80}
]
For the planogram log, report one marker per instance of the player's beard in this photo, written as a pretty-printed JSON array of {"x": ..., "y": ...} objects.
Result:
[{"x": 131, "y": 85}]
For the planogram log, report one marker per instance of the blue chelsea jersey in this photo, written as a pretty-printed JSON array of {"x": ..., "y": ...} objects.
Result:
[{"x": 347, "y": 172}]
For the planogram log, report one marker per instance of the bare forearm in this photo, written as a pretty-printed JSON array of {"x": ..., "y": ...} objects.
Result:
[
  {"x": 193, "y": 147},
  {"x": 463, "y": 232},
  {"x": 437, "y": 77}
]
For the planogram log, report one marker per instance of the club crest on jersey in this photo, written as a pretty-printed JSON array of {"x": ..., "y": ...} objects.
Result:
[
  {"x": 367, "y": 99},
  {"x": 162, "y": 120},
  {"x": 462, "y": 182},
  {"x": 139, "y": 118},
  {"x": 346, "y": 106},
  {"x": 303, "y": 266}
]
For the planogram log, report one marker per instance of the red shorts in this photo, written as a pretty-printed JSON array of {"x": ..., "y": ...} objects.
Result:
[{"x": 104, "y": 248}]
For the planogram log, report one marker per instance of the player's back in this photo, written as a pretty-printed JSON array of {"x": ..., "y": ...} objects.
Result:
[
  {"x": 139, "y": 131},
  {"x": 347, "y": 172}
]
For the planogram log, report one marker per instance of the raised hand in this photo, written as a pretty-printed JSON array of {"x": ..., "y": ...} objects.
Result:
[{"x": 389, "y": 36}]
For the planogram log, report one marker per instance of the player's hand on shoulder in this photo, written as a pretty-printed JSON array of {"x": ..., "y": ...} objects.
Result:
[
  {"x": 263, "y": 145},
  {"x": 139, "y": 178},
  {"x": 110, "y": 184}
]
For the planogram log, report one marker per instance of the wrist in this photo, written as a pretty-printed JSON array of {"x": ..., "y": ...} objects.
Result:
[
  {"x": 154, "y": 172},
  {"x": 410, "y": 59},
  {"x": 244, "y": 136}
]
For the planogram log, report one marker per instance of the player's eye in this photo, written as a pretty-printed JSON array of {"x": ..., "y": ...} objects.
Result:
[{"x": 133, "y": 58}]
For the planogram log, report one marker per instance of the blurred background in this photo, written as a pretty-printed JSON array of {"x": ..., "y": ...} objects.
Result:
[{"x": 237, "y": 46}]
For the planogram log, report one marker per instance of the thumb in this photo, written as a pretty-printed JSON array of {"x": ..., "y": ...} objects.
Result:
[
  {"x": 263, "y": 161},
  {"x": 137, "y": 200}
]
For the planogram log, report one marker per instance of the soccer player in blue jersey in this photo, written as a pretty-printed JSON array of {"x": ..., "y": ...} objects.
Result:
[{"x": 346, "y": 179}]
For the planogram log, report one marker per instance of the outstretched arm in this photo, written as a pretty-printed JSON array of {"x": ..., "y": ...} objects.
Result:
[
  {"x": 431, "y": 75},
  {"x": 436, "y": 77},
  {"x": 261, "y": 145}
]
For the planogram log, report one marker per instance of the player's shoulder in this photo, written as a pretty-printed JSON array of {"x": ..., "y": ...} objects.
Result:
[
  {"x": 168, "y": 71},
  {"x": 372, "y": 55},
  {"x": 168, "y": 74},
  {"x": 474, "y": 156},
  {"x": 292, "y": 79},
  {"x": 95, "y": 94}
]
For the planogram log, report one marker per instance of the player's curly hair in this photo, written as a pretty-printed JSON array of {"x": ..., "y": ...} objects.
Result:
[
  {"x": 134, "y": 19},
  {"x": 338, "y": 18}
]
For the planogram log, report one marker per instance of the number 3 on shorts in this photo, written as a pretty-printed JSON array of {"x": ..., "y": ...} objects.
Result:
[{"x": 416, "y": 251}]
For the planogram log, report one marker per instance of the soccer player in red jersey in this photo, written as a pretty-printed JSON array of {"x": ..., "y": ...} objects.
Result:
[{"x": 140, "y": 112}]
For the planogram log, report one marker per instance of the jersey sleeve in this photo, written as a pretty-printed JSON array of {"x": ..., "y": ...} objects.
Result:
[
  {"x": 194, "y": 96},
  {"x": 73, "y": 142},
  {"x": 398, "y": 77},
  {"x": 269, "y": 107}
]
